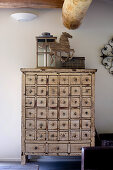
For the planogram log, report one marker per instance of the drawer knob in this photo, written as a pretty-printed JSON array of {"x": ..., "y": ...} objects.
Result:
[
  {"x": 64, "y": 79},
  {"x": 36, "y": 147},
  {"x": 30, "y": 102},
  {"x": 86, "y": 102},
  {"x": 30, "y": 79},
  {"x": 52, "y": 135},
  {"x": 86, "y": 124},
  {"x": 75, "y": 91},
  {"x": 64, "y": 102},
  {"x": 30, "y": 135},
  {"x": 63, "y": 124},
  {"x": 53, "y": 80},
  {"x": 41, "y": 136},
  {"x": 64, "y": 91},
  {"x": 57, "y": 148},
  {"x": 87, "y": 79},
  {"x": 86, "y": 113},
  {"x": 41, "y": 113},
  {"x": 52, "y": 113},
  {"x": 75, "y": 113},
  {"x": 63, "y": 113},
  {"x": 42, "y": 91},
  {"x": 87, "y": 91},
  {"x": 42, "y": 80},
  {"x": 75, "y": 79},
  {"x": 53, "y": 102},
  {"x": 75, "y": 102},
  {"x": 75, "y": 125},
  {"x": 63, "y": 135},
  {"x": 30, "y": 113},
  {"x": 53, "y": 91},
  {"x": 53, "y": 124},
  {"x": 85, "y": 134},
  {"x": 30, "y": 91},
  {"x": 30, "y": 124},
  {"x": 41, "y": 102},
  {"x": 75, "y": 136},
  {"x": 41, "y": 125}
]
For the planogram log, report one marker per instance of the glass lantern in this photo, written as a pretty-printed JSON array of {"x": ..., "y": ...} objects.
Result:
[{"x": 43, "y": 52}]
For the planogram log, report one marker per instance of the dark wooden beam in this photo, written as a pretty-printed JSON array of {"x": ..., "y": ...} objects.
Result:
[{"x": 31, "y": 3}]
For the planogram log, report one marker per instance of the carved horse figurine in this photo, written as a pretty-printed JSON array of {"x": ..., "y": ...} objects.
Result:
[{"x": 56, "y": 48}]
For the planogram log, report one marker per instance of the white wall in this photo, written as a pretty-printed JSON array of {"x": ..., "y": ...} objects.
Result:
[{"x": 18, "y": 49}]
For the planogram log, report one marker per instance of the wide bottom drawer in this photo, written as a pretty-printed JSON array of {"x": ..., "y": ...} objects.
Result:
[
  {"x": 58, "y": 148},
  {"x": 78, "y": 147},
  {"x": 35, "y": 148}
]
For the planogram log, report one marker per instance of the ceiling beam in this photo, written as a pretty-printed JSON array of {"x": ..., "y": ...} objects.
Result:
[{"x": 31, "y": 3}]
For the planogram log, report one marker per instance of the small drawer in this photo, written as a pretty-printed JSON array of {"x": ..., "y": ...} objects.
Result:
[
  {"x": 64, "y": 80},
  {"x": 41, "y": 136},
  {"x": 52, "y": 114},
  {"x": 75, "y": 102},
  {"x": 74, "y": 80},
  {"x": 41, "y": 80},
  {"x": 52, "y": 125},
  {"x": 53, "y": 91},
  {"x": 74, "y": 135},
  {"x": 86, "y": 124},
  {"x": 86, "y": 135},
  {"x": 41, "y": 102},
  {"x": 86, "y": 91},
  {"x": 52, "y": 102},
  {"x": 75, "y": 124},
  {"x": 86, "y": 80},
  {"x": 30, "y": 124},
  {"x": 75, "y": 91},
  {"x": 41, "y": 113},
  {"x": 30, "y": 91},
  {"x": 75, "y": 113},
  {"x": 86, "y": 102},
  {"x": 63, "y": 136},
  {"x": 63, "y": 114},
  {"x": 63, "y": 102},
  {"x": 35, "y": 148},
  {"x": 64, "y": 91},
  {"x": 53, "y": 80},
  {"x": 41, "y": 91},
  {"x": 30, "y": 113},
  {"x": 57, "y": 148},
  {"x": 77, "y": 148},
  {"x": 52, "y": 135},
  {"x": 30, "y": 80},
  {"x": 30, "y": 102},
  {"x": 63, "y": 124},
  {"x": 41, "y": 124},
  {"x": 30, "y": 135},
  {"x": 86, "y": 112}
]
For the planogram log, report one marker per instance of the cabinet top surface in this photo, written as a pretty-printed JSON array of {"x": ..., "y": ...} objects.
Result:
[{"x": 57, "y": 70}]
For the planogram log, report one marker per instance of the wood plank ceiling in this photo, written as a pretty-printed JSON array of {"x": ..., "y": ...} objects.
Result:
[{"x": 31, "y": 3}]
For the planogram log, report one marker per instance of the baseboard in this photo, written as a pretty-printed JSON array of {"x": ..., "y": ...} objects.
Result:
[{"x": 10, "y": 159}]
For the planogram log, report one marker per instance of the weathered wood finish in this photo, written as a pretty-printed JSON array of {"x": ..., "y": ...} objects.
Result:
[
  {"x": 57, "y": 111},
  {"x": 31, "y": 4}
]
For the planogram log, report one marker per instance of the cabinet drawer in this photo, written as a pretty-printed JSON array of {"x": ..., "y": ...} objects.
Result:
[
  {"x": 52, "y": 114},
  {"x": 63, "y": 136},
  {"x": 30, "y": 113},
  {"x": 53, "y": 91},
  {"x": 41, "y": 102},
  {"x": 75, "y": 91},
  {"x": 30, "y": 124},
  {"x": 52, "y": 125},
  {"x": 86, "y": 79},
  {"x": 64, "y": 91},
  {"x": 30, "y": 80},
  {"x": 75, "y": 124},
  {"x": 75, "y": 135},
  {"x": 75, "y": 113},
  {"x": 41, "y": 91},
  {"x": 86, "y": 91},
  {"x": 41, "y": 124},
  {"x": 35, "y": 148},
  {"x": 75, "y": 102},
  {"x": 52, "y": 135},
  {"x": 86, "y": 124},
  {"x": 63, "y": 102},
  {"x": 64, "y": 80},
  {"x": 41, "y": 113},
  {"x": 86, "y": 135},
  {"x": 57, "y": 148},
  {"x": 41, "y": 136},
  {"x": 86, "y": 102},
  {"x": 52, "y": 102},
  {"x": 53, "y": 80},
  {"x": 30, "y": 135},
  {"x": 30, "y": 91},
  {"x": 74, "y": 80},
  {"x": 63, "y": 124},
  {"x": 30, "y": 102},
  {"x": 78, "y": 147},
  {"x": 86, "y": 112},
  {"x": 41, "y": 80},
  {"x": 63, "y": 114}
]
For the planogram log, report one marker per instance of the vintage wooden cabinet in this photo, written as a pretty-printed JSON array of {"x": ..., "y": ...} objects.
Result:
[{"x": 57, "y": 111}]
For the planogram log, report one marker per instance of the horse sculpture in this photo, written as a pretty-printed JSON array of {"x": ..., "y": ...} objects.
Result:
[{"x": 56, "y": 49}]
